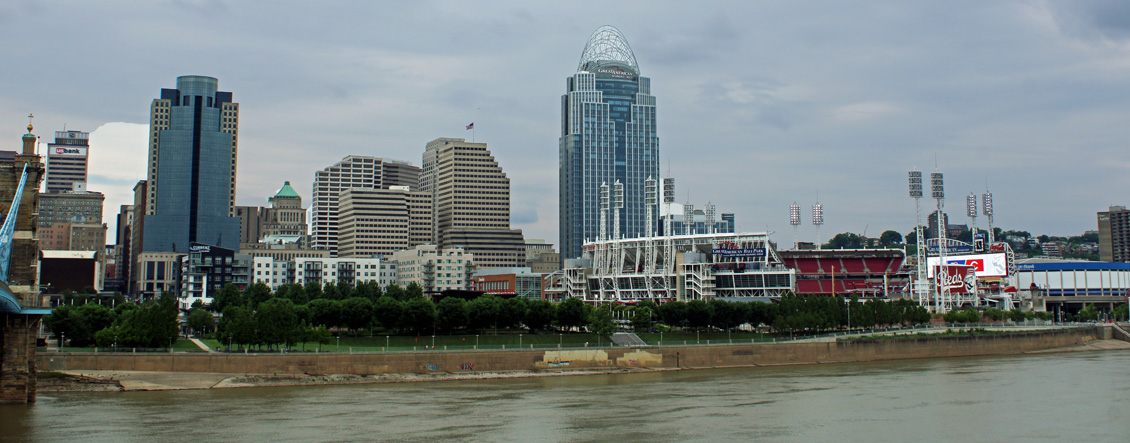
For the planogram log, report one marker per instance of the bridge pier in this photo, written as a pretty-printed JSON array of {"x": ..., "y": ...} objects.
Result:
[{"x": 17, "y": 357}]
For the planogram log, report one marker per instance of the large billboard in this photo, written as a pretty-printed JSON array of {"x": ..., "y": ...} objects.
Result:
[
  {"x": 957, "y": 279},
  {"x": 984, "y": 265}
]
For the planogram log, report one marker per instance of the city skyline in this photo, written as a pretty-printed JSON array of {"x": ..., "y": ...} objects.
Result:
[{"x": 763, "y": 104}]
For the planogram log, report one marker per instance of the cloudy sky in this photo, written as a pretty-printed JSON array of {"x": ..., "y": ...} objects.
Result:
[{"x": 760, "y": 104}]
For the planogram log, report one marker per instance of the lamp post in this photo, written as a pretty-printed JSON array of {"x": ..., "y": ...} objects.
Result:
[
  {"x": 519, "y": 339},
  {"x": 338, "y": 344},
  {"x": 386, "y": 343}
]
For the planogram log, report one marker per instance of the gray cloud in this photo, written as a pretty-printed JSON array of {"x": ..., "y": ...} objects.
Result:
[{"x": 760, "y": 104}]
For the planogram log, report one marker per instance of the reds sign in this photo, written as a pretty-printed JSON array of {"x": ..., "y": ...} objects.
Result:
[{"x": 956, "y": 279}]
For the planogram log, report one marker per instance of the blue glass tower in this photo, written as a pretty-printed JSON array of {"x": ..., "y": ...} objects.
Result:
[
  {"x": 192, "y": 158},
  {"x": 607, "y": 135}
]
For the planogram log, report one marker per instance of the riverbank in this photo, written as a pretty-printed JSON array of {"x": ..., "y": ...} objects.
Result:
[{"x": 189, "y": 371}]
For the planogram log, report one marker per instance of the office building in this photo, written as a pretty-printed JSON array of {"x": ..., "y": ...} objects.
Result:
[
  {"x": 1114, "y": 234},
  {"x": 471, "y": 201},
  {"x": 608, "y": 135},
  {"x": 192, "y": 165},
  {"x": 67, "y": 161},
  {"x": 251, "y": 220},
  {"x": 354, "y": 171},
  {"x": 378, "y": 222},
  {"x": 71, "y": 221},
  {"x": 286, "y": 217}
]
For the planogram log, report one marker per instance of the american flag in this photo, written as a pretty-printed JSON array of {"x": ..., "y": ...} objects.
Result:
[{"x": 471, "y": 126}]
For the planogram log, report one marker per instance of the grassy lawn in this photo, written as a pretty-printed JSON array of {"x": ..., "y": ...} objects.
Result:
[
  {"x": 181, "y": 345},
  {"x": 677, "y": 338}
]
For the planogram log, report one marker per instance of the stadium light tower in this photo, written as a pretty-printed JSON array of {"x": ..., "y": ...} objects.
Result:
[
  {"x": 818, "y": 220},
  {"x": 937, "y": 191},
  {"x": 987, "y": 210},
  {"x": 971, "y": 211},
  {"x": 794, "y": 219},
  {"x": 921, "y": 283}
]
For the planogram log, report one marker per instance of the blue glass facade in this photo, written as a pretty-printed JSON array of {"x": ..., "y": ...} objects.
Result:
[
  {"x": 608, "y": 134},
  {"x": 192, "y": 171}
]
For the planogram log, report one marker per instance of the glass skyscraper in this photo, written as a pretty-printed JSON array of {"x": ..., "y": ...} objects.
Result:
[
  {"x": 192, "y": 162},
  {"x": 607, "y": 135}
]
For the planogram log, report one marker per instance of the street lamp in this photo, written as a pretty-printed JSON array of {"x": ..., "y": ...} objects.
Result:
[
  {"x": 519, "y": 339},
  {"x": 386, "y": 342},
  {"x": 338, "y": 344}
]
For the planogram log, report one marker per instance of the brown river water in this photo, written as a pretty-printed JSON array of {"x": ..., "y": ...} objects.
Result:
[{"x": 1077, "y": 396}]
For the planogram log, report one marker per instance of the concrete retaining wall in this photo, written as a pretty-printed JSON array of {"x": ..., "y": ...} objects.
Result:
[{"x": 566, "y": 359}]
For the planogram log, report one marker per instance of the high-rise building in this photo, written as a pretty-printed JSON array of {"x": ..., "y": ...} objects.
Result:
[
  {"x": 1114, "y": 234},
  {"x": 71, "y": 220},
  {"x": 286, "y": 217},
  {"x": 192, "y": 164},
  {"x": 354, "y": 171},
  {"x": 378, "y": 222},
  {"x": 67, "y": 161},
  {"x": 471, "y": 198},
  {"x": 608, "y": 134},
  {"x": 251, "y": 220}
]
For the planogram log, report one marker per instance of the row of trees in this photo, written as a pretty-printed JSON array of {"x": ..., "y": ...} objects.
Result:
[
  {"x": 792, "y": 314},
  {"x": 150, "y": 325}
]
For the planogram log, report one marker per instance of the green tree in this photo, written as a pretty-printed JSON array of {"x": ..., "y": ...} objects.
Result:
[
  {"x": 296, "y": 293},
  {"x": 389, "y": 312},
  {"x": 994, "y": 314},
  {"x": 451, "y": 314},
  {"x": 761, "y": 313},
  {"x": 485, "y": 312},
  {"x": 201, "y": 321},
  {"x": 641, "y": 318},
  {"x": 890, "y": 238},
  {"x": 65, "y": 322},
  {"x": 356, "y": 313},
  {"x": 420, "y": 314},
  {"x": 412, "y": 291},
  {"x": 313, "y": 290},
  {"x": 844, "y": 240},
  {"x": 673, "y": 313},
  {"x": 325, "y": 312},
  {"x": 330, "y": 292},
  {"x": 726, "y": 315},
  {"x": 95, "y": 317},
  {"x": 539, "y": 315},
  {"x": 277, "y": 322},
  {"x": 698, "y": 314},
  {"x": 395, "y": 291},
  {"x": 152, "y": 325},
  {"x": 600, "y": 323},
  {"x": 1088, "y": 313},
  {"x": 367, "y": 290},
  {"x": 237, "y": 326},
  {"x": 571, "y": 313},
  {"x": 257, "y": 293},
  {"x": 227, "y": 296},
  {"x": 512, "y": 311},
  {"x": 344, "y": 290}
]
